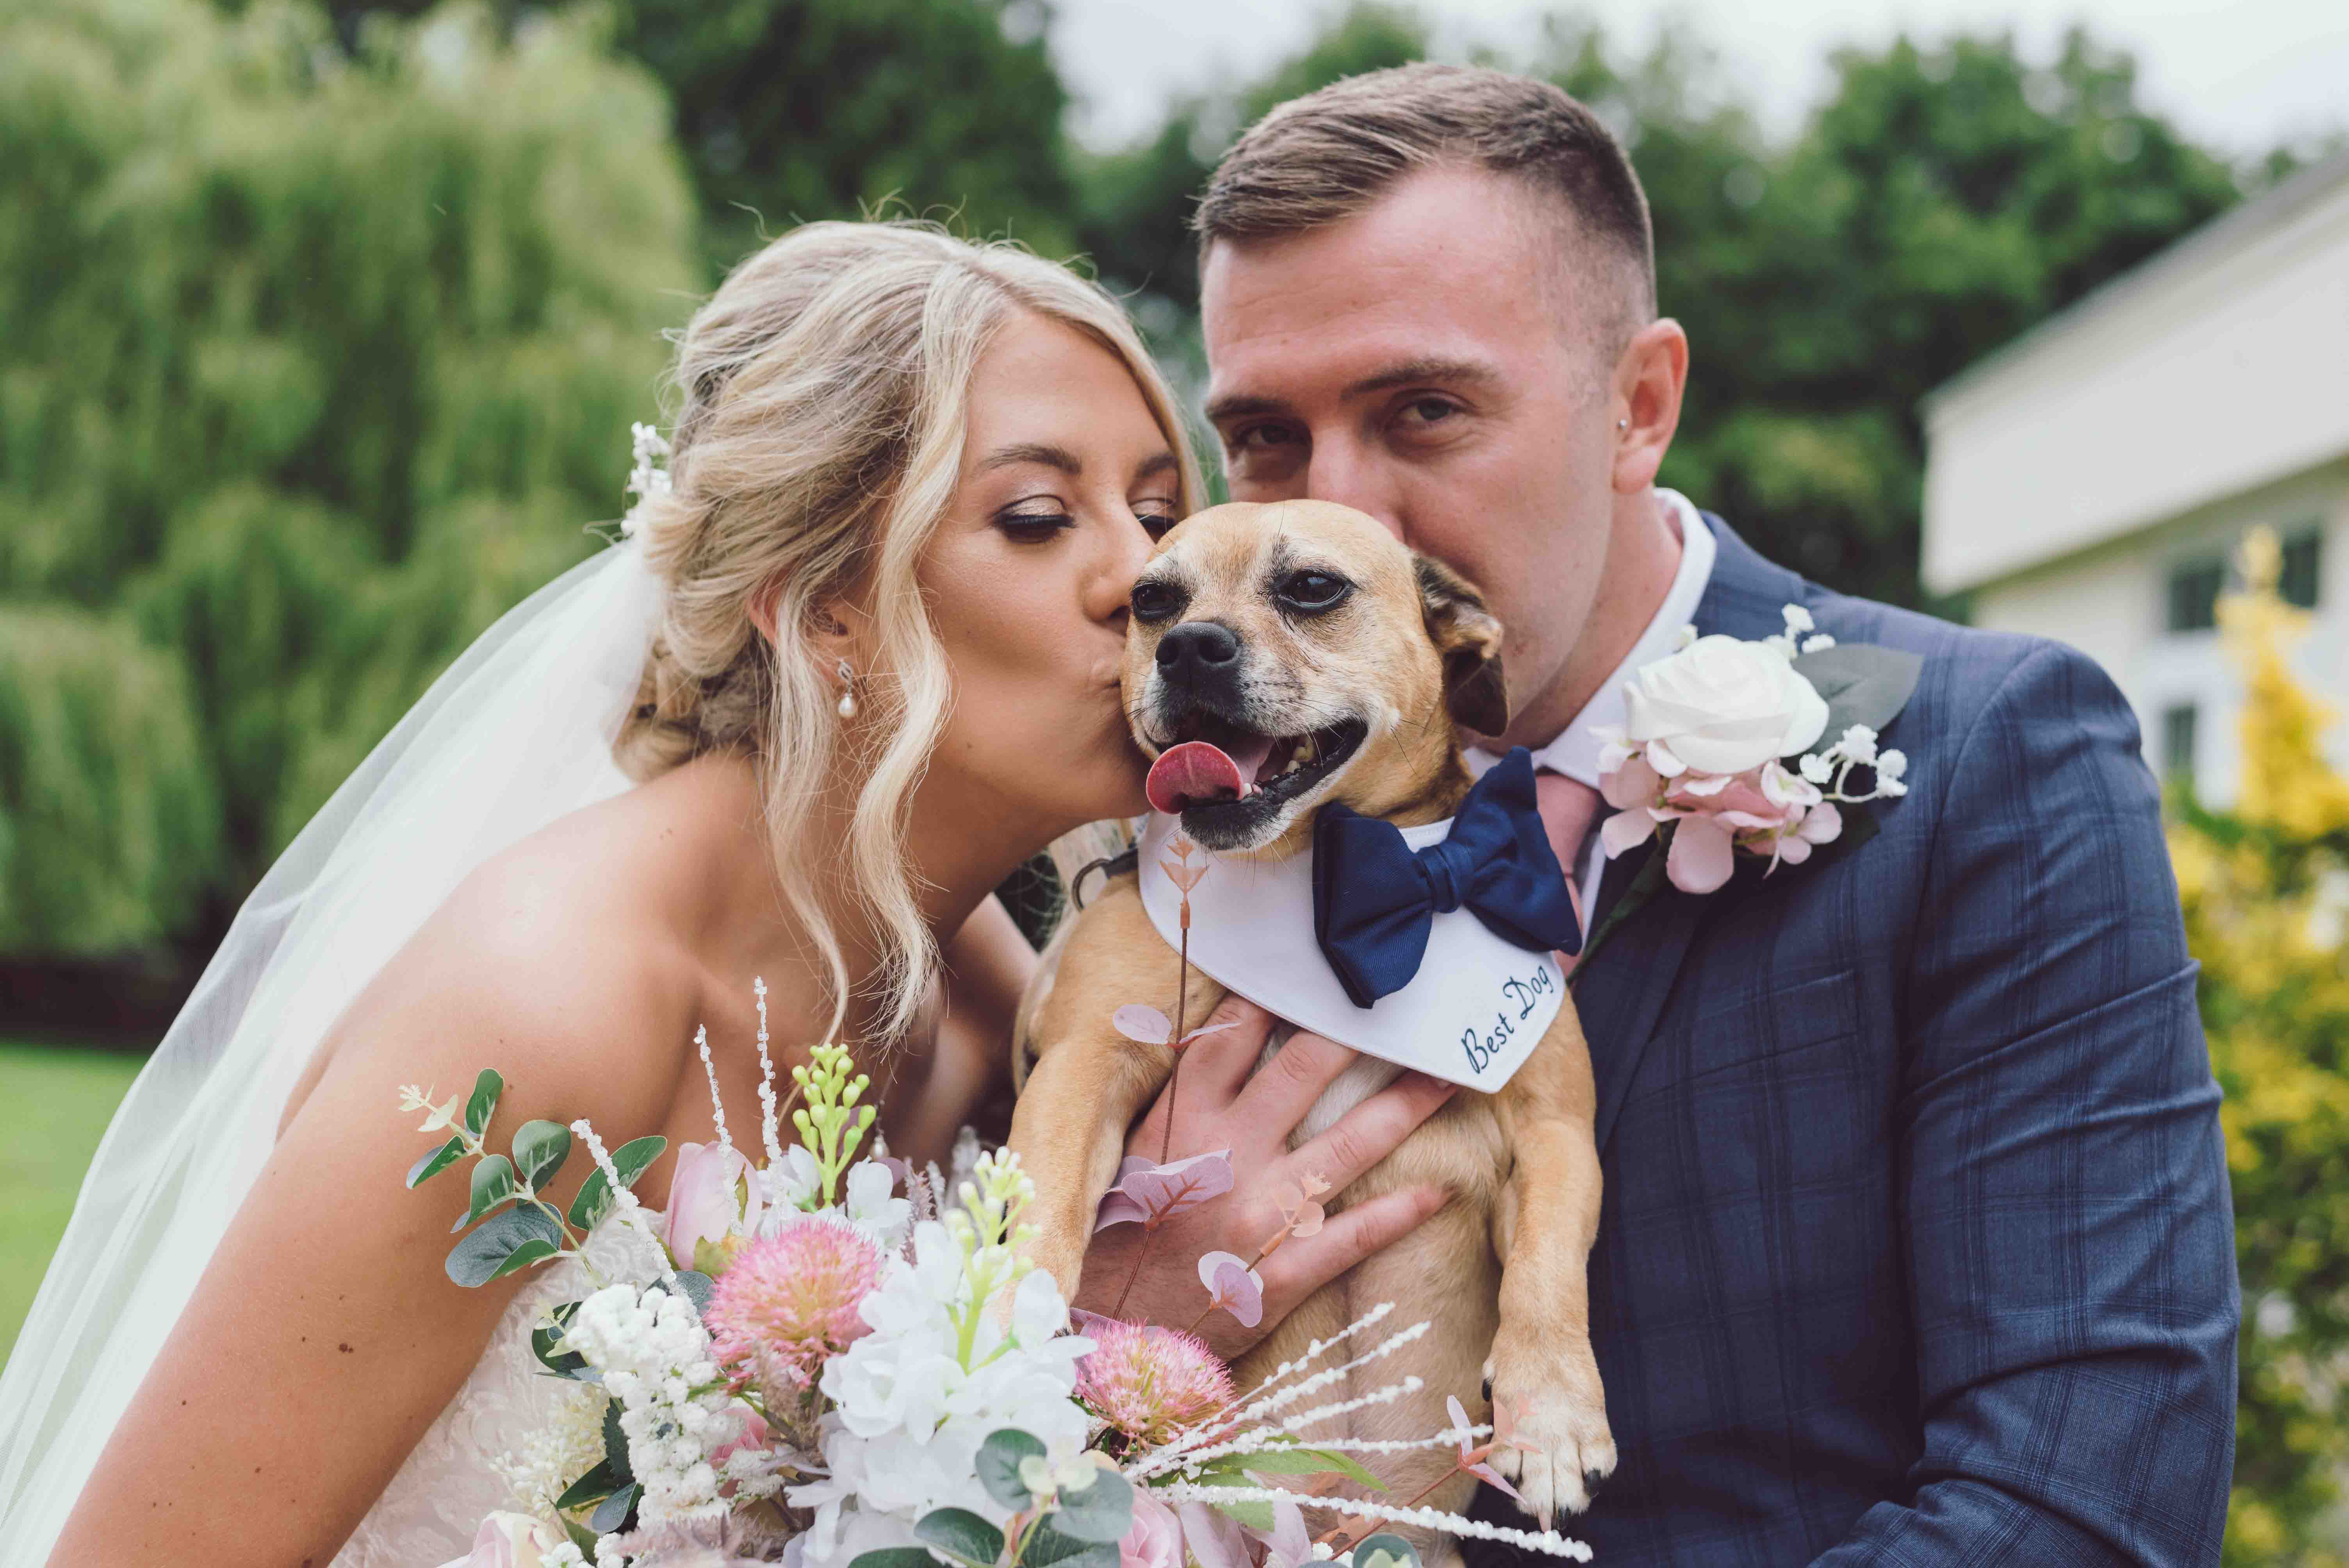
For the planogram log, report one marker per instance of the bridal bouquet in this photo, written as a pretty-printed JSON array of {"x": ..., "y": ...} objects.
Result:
[{"x": 827, "y": 1360}]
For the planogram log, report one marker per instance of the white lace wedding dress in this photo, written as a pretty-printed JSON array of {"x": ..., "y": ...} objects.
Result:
[{"x": 512, "y": 1438}]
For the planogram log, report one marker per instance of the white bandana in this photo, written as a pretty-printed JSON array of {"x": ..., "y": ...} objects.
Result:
[{"x": 1471, "y": 1015}]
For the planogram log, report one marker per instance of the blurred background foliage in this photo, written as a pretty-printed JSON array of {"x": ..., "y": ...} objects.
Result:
[
  {"x": 321, "y": 329},
  {"x": 2266, "y": 891}
]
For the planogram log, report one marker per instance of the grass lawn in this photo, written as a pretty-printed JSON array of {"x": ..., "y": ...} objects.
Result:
[{"x": 55, "y": 1103}]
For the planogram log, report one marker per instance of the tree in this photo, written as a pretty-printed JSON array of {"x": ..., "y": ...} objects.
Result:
[
  {"x": 308, "y": 368},
  {"x": 2264, "y": 886}
]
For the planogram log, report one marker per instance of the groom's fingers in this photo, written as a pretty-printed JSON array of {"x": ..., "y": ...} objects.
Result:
[
  {"x": 1216, "y": 1064},
  {"x": 1284, "y": 1089},
  {"x": 1303, "y": 1267},
  {"x": 1371, "y": 1131}
]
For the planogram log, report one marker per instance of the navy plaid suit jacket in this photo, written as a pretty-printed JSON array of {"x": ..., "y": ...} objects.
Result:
[{"x": 1916, "y": 1245}]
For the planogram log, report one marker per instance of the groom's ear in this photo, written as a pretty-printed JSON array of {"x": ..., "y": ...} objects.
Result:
[{"x": 1468, "y": 638}]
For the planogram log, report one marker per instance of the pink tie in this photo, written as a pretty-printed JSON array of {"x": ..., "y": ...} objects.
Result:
[{"x": 1567, "y": 807}]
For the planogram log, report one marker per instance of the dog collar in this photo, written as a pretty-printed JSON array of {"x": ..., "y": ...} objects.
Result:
[{"x": 1470, "y": 1015}]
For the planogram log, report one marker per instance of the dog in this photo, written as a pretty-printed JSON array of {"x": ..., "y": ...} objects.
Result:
[{"x": 1321, "y": 655}]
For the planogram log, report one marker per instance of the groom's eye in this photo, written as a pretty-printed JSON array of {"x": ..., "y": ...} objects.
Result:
[{"x": 1425, "y": 411}]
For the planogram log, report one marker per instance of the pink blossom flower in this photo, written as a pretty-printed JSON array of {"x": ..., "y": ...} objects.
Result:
[
  {"x": 1150, "y": 1383},
  {"x": 510, "y": 1540},
  {"x": 1234, "y": 1286},
  {"x": 1471, "y": 1460},
  {"x": 1150, "y": 1193},
  {"x": 1156, "y": 1539},
  {"x": 1765, "y": 811},
  {"x": 790, "y": 1303},
  {"x": 712, "y": 1194}
]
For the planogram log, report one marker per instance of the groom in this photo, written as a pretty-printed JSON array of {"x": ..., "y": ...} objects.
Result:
[{"x": 1916, "y": 1245}]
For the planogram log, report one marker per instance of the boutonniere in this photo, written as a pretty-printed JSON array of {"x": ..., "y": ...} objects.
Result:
[{"x": 1719, "y": 755}]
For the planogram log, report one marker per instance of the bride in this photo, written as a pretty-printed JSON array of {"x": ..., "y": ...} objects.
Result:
[{"x": 854, "y": 662}]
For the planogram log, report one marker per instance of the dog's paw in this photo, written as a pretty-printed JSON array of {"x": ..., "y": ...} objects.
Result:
[{"x": 1550, "y": 1406}]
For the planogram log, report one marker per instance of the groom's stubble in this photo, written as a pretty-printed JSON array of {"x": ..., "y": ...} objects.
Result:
[{"x": 1435, "y": 361}]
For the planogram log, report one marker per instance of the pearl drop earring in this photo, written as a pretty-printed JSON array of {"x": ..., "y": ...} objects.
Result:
[{"x": 847, "y": 690}]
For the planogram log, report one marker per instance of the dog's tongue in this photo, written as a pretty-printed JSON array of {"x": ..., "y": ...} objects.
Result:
[{"x": 1196, "y": 773}]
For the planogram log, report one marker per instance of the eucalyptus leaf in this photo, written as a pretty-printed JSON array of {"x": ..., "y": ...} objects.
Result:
[
  {"x": 540, "y": 1149},
  {"x": 434, "y": 1163},
  {"x": 494, "y": 1183},
  {"x": 612, "y": 1513},
  {"x": 478, "y": 1108},
  {"x": 1255, "y": 1515},
  {"x": 1047, "y": 1547},
  {"x": 630, "y": 1160},
  {"x": 1862, "y": 684},
  {"x": 1385, "y": 1549},
  {"x": 998, "y": 1464},
  {"x": 960, "y": 1534},
  {"x": 1104, "y": 1511},
  {"x": 893, "y": 1557},
  {"x": 699, "y": 1288},
  {"x": 513, "y": 1238}
]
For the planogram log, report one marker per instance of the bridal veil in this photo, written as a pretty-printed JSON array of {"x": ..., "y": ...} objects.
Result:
[{"x": 516, "y": 733}]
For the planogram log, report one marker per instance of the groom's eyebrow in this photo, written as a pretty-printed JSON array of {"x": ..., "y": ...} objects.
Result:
[{"x": 1425, "y": 370}]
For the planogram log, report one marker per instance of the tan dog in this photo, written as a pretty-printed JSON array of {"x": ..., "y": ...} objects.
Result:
[{"x": 1317, "y": 650}]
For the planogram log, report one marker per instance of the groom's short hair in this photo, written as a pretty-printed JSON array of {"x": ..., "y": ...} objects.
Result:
[{"x": 1333, "y": 153}]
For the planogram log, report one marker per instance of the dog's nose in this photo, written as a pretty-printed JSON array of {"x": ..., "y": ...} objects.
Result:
[{"x": 1198, "y": 651}]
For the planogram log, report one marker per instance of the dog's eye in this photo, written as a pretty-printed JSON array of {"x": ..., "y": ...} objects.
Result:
[
  {"x": 1310, "y": 592},
  {"x": 1155, "y": 601}
]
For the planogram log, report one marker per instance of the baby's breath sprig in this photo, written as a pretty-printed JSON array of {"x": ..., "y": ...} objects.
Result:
[{"x": 831, "y": 1124}]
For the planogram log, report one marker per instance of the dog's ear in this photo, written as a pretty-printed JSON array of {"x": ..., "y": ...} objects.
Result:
[{"x": 1468, "y": 636}]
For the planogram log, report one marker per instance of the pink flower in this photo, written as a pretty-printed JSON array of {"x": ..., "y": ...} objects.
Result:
[
  {"x": 790, "y": 1303},
  {"x": 1765, "y": 811},
  {"x": 1156, "y": 1539},
  {"x": 1150, "y": 1383},
  {"x": 711, "y": 1194},
  {"x": 510, "y": 1540}
]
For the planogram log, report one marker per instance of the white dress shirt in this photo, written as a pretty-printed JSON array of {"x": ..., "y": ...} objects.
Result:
[{"x": 1575, "y": 751}]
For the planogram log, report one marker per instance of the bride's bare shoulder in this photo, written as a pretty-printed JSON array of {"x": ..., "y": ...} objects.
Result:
[{"x": 567, "y": 960}]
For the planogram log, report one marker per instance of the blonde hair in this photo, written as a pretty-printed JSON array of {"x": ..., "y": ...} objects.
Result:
[{"x": 818, "y": 433}]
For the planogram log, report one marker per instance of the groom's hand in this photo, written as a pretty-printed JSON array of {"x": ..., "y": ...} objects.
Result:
[{"x": 1219, "y": 1100}]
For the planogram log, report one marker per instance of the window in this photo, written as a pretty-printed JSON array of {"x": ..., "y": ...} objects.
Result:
[
  {"x": 2302, "y": 558},
  {"x": 2178, "y": 742},
  {"x": 2194, "y": 595}
]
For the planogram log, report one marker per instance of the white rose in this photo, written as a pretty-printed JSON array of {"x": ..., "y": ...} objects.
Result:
[
  {"x": 1721, "y": 705},
  {"x": 511, "y": 1541}
]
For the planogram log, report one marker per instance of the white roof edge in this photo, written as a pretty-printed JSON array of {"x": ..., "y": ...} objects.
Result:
[{"x": 2224, "y": 233}]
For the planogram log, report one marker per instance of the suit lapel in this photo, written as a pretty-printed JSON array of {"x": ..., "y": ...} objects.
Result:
[{"x": 1623, "y": 994}]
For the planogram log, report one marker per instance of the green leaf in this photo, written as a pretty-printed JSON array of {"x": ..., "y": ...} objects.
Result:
[
  {"x": 1255, "y": 1515},
  {"x": 1047, "y": 1547},
  {"x": 478, "y": 1110},
  {"x": 503, "y": 1243},
  {"x": 540, "y": 1149},
  {"x": 562, "y": 1363},
  {"x": 960, "y": 1534},
  {"x": 1385, "y": 1551},
  {"x": 892, "y": 1557},
  {"x": 699, "y": 1288},
  {"x": 494, "y": 1183},
  {"x": 998, "y": 1464},
  {"x": 434, "y": 1163},
  {"x": 594, "y": 1200},
  {"x": 612, "y": 1513},
  {"x": 1645, "y": 884},
  {"x": 1306, "y": 1461},
  {"x": 597, "y": 1484},
  {"x": 1862, "y": 684},
  {"x": 616, "y": 1443},
  {"x": 581, "y": 1536},
  {"x": 1104, "y": 1511}
]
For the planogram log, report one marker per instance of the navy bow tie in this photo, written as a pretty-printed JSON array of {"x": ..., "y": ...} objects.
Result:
[{"x": 1375, "y": 898}]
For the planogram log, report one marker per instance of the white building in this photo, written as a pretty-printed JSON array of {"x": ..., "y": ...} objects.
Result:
[{"x": 2090, "y": 481}]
